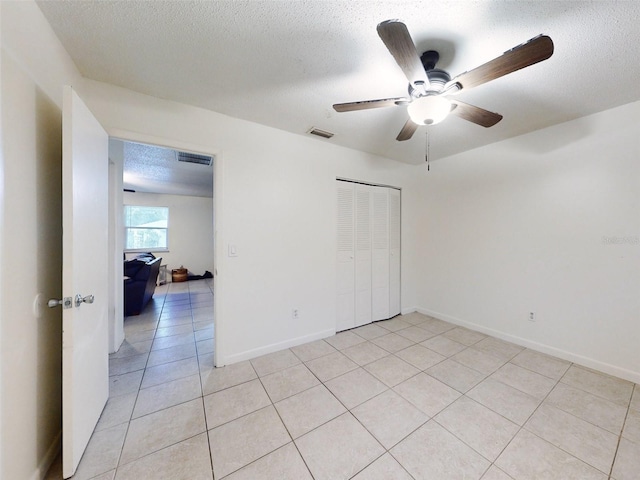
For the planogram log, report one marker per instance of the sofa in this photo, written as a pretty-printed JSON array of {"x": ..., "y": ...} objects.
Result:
[{"x": 140, "y": 276}]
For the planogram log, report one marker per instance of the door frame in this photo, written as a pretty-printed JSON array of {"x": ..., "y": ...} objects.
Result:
[{"x": 116, "y": 327}]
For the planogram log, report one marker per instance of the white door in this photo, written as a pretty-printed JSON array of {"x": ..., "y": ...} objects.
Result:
[
  {"x": 363, "y": 254},
  {"x": 380, "y": 254},
  {"x": 85, "y": 367},
  {"x": 394, "y": 252},
  {"x": 345, "y": 309}
]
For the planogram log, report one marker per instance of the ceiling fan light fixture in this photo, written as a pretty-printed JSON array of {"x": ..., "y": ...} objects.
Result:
[{"x": 429, "y": 110}]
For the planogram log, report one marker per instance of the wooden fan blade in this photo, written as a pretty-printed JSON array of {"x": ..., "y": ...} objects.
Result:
[
  {"x": 407, "y": 131},
  {"x": 396, "y": 37},
  {"x": 476, "y": 115},
  {"x": 529, "y": 53},
  {"x": 366, "y": 104}
]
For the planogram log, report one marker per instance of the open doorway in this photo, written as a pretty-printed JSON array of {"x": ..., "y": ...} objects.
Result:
[{"x": 163, "y": 201}]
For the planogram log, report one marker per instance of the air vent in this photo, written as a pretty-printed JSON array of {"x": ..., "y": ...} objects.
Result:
[
  {"x": 195, "y": 158},
  {"x": 320, "y": 133}
]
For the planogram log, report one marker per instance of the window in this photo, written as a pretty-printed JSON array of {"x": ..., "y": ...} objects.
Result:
[{"x": 146, "y": 228}]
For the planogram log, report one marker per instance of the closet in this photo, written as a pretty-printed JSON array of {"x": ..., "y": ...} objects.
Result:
[{"x": 368, "y": 257}]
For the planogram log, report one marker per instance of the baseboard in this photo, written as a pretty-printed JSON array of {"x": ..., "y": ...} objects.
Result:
[
  {"x": 274, "y": 347},
  {"x": 49, "y": 457},
  {"x": 407, "y": 311},
  {"x": 603, "y": 367}
]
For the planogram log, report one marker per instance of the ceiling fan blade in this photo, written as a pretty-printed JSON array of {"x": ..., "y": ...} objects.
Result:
[
  {"x": 476, "y": 115},
  {"x": 396, "y": 37},
  {"x": 407, "y": 131},
  {"x": 366, "y": 104},
  {"x": 529, "y": 53}
]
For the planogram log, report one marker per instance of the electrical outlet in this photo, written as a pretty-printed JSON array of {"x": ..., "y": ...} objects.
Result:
[
  {"x": 532, "y": 316},
  {"x": 295, "y": 314}
]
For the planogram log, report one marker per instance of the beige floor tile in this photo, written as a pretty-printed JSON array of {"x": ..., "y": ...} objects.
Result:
[
  {"x": 482, "y": 429},
  {"x": 546, "y": 365},
  {"x": 216, "y": 379},
  {"x": 365, "y": 352},
  {"x": 118, "y": 410},
  {"x": 102, "y": 452},
  {"x": 246, "y": 439},
  {"x": 479, "y": 361},
  {"x": 627, "y": 463},
  {"x": 167, "y": 321},
  {"x": 161, "y": 429},
  {"x": 429, "y": 453},
  {"x": 331, "y": 366},
  {"x": 591, "y": 444},
  {"x": 172, "y": 341},
  {"x": 312, "y": 350},
  {"x": 227, "y": 405},
  {"x": 175, "y": 330},
  {"x": 307, "y": 410},
  {"x": 283, "y": 464},
  {"x": 420, "y": 357},
  {"x": 415, "y": 334},
  {"x": 338, "y": 449},
  {"x": 170, "y": 371},
  {"x": 465, "y": 336},
  {"x": 120, "y": 366},
  {"x": 456, "y": 375},
  {"x": 288, "y": 382},
  {"x": 632, "y": 425},
  {"x": 436, "y": 326},
  {"x": 143, "y": 336},
  {"x": 205, "y": 346},
  {"x": 274, "y": 362},
  {"x": 528, "y": 457},
  {"x": 635, "y": 398},
  {"x": 428, "y": 394},
  {"x": 389, "y": 417},
  {"x": 392, "y": 342},
  {"x": 344, "y": 340},
  {"x": 509, "y": 402},
  {"x": 171, "y": 354},
  {"x": 371, "y": 331},
  {"x": 394, "y": 324},
  {"x": 391, "y": 370},
  {"x": 610, "y": 388},
  {"x": 589, "y": 407},
  {"x": 355, "y": 387},
  {"x": 494, "y": 473},
  {"x": 125, "y": 383},
  {"x": 498, "y": 348},
  {"x": 384, "y": 468},
  {"x": 414, "y": 318},
  {"x": 526, "y": 381},
  {"x": 187, "y": 460},
  {"x": 167, "y": 395},
  {"x": 131, "y": 349},
  {"x": 443, "y": 345}
]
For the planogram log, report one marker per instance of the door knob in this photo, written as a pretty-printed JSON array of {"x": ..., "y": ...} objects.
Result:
[
  {"x": 65, "y": 302},
  {"x": 80, "y": 299}
]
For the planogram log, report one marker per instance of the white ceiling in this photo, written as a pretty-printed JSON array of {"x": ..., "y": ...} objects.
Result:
[{"x": 285, "y": 63}]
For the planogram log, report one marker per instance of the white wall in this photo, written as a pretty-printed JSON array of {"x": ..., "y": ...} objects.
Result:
[
  {"x": 524, "y": 225},
  {"x": 275, "y": 195},
  {"x": 33, "y": 68},
  {"x": 190, "y": 229}
]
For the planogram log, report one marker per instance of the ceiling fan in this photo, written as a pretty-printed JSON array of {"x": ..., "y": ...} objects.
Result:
[{"x": 430, "y": 88}]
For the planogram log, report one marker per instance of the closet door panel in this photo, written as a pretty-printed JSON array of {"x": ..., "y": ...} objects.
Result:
[
  {"x": 394, "y": 251},
  {"x": 380, "y": 254},
  {"x": 345, "y": 305},
  {"x": 363, "y": 270}
]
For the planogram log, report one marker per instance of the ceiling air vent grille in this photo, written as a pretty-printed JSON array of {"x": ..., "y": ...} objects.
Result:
[
  {"x": 320, "y": 133},
  {"x": 195, "y": 158}
]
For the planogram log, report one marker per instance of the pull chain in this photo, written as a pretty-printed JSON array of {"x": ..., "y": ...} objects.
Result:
[{"x": 426, "y": 152}]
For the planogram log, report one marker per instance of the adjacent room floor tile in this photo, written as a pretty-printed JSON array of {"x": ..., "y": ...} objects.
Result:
[
  {"x": 117, "y": 410},
  {"x": 240, "y": 442},
  {"x": 324, "y": 448},
  {"x": 102, "y": 452},
  {"x": 170, "y": 371},
  {"x": 428, "y": 454},
  {"x": 167, "y": 394}
]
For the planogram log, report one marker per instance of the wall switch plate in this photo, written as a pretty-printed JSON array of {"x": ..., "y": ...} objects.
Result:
[{"x": 233, "y": 250}]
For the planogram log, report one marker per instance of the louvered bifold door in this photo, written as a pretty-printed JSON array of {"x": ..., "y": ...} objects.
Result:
[
  {"x": 346, "y": 262},
  {"x": 394, "y": 252},
  {"x": 363, "y": 254},
  {"x": 380, "y": 254}
]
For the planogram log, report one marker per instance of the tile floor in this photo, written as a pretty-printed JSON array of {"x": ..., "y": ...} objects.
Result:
[{"x": 408, "y": 398}]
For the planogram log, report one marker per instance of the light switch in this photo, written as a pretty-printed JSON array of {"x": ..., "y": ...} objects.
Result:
[{"x": 233, "y": 251}]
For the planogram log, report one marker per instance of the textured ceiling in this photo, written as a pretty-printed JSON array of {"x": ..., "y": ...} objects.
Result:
[
  {"x": 284, "y": 63},
  {"x": 154, "y": 169}
]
